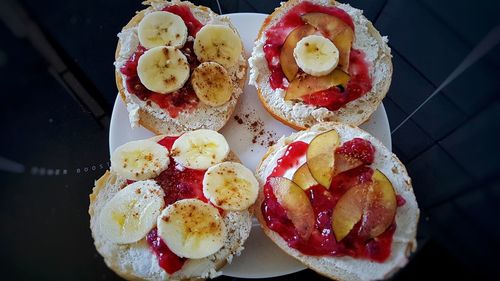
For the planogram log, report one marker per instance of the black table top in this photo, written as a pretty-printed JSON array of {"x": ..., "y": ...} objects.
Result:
[{"x": 58, "y": 89}]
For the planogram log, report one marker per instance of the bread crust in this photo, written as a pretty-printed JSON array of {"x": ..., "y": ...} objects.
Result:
[
  {"x": 148, "y": 120},
  {"x": 101, "y": 192},
  {"x": 334, "y": 267},
  {"x": 364, "y": 110}
]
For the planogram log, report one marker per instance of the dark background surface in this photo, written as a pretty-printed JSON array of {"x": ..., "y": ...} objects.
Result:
[{"x": 57, "y": 88}]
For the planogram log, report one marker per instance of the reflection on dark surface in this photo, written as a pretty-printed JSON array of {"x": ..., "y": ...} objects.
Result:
[{"x": 58, "y": 88}]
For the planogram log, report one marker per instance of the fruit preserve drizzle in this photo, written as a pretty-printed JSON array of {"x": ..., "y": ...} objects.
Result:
[
  {"x": 333, "y": 98},
  {"x": 180, "y": 100},
  {"x": 322, "y": 241},
  {"x": 169, "y": 261},
  {"x": 178, "y": 183},
  {"x": 293, "y": 153}
]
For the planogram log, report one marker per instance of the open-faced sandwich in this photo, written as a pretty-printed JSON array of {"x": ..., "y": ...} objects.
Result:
[
  {"x": 316, "y": 61},
  {"x": 172, "y": 208},
  {"x": 179, "y": 67},
  {"x": 339, "y": 201}
]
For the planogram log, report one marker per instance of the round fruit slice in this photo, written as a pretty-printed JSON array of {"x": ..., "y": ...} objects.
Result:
[
  {"x": 192, "y": 229},
  {"x": 200, "y": 149},
  {"x": 132, "y": 212},
  {"x": 320, "y": 156},
  {"x": 339, "y": 32},
  {"x": 140, "y": 160},
  {"x": 162, "y": 28},
  {"x": 230, "y": 186},
  {"x": 163, "y": 69},
  {"x": 287, "y": 61},
  {"x": 218, "y": 43},
  {"x": 212, "y": 83},
  {"x": 316, "y": 55}
]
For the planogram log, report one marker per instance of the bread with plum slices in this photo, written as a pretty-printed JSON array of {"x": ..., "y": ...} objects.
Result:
[
  {"x": 172, "y": 208},
  {"x": 179, "y": 67},
  {"x": 319, "y": 61},
  {"x": 339, "y": 201}
]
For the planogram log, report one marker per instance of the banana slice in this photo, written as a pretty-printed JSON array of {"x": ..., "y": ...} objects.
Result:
[
  {"x": 132, "y": 212},
  {"x": 162, "y": 28},
  {"x": 140, "y": 160},
  {"x": 316, "y": 55},
  {"x": 163, "y": 69},
  {"x": 200, "y": 149},
  {"x": 219, "y": 43},
  {"x": 212, "y": 83},
  {"x": 192, "y": 229},
  {"x": 230, "y": 186}
]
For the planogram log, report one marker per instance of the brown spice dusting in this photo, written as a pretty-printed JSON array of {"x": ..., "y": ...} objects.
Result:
[
  {"x": 238, "y": 119},
  {"x": 255, "y": 125}
]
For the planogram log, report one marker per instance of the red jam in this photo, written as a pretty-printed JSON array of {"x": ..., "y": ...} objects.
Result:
[
  {"x": 181, "y": 183},
  {"x": 169, "y": 261},
  {"x": 358, "y": 148},
  {"x": 334, "y": 98},
  {"x": 184, "y": 99},
  {"x": 293, "y": 153},
  {"x": 322, "y": 240},
  {"x": 400, "y": 201}
]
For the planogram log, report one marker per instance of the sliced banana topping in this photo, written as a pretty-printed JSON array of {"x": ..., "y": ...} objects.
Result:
[
  {"x": 162, "y": 28},
  {"x": 140, "y": 160},
  {"x": 163, "y": 69},
  {"x": 132, "y": 212},
  {"x": 200, "y": 149},
  {"x": 230, "y": 186},
  {"x": 212, "y": 83},
  {"x": 218, "y": 43},
  {"x": 316, "y": 55},
  {"x": 192, "y": 229}
]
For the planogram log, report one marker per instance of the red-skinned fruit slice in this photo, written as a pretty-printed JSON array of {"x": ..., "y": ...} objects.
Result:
[
  {"x": 320, "y": 156},
  {"x": 337, "y": 31},
  {"x": 349, "y": 210},
  {"x": 287, "y": 61},
  {"x": 381, "y": 208},
  {"x": 345, "y": 162},
  {"x": 307, "y": 84},
  {"x": 296, "y": 204},
  {"x": 303, "y": 177},
  {"x": 372, "y": 203}
]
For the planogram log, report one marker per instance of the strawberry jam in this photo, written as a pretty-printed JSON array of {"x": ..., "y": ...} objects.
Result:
[
  {"x": 358, "y": 148},
  {"x": 334, "y": 98},
  {"x": 293, "y": 153},
  {"x": 183, "y": 99},
  {"x": 178, "y": 183},
  {"x": 169, "y": 261},
  {"x": 322, "y": 241}
]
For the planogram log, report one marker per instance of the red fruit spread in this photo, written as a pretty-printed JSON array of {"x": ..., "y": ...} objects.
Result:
[
  {"x": 178, "y": 183},
  {"x": 334, "y": 98},
  {"x": 322, "y": 240},
  {"x": 182, "y": 99}
]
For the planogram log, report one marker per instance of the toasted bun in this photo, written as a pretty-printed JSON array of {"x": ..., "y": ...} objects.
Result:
[
  {"x": 153, "y": 117},
  {"x": 137, "y": 261},
  {"x": 299, "y": 115},
  {"x": 348, "y": 268}
]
